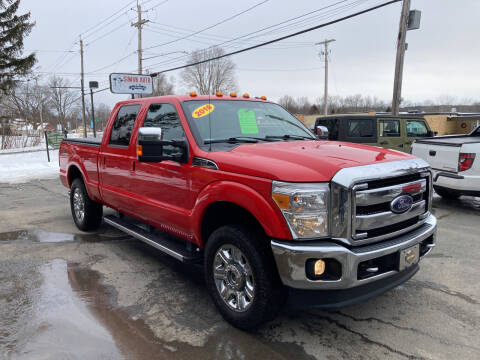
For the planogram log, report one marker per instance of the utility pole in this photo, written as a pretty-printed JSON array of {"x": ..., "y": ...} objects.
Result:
[
  {"x": 83, "y": 90},
  {"x": 40, "y": 103},
  {"x": 140, "y": 22},
  {"x": 402, "y": 35},
  {"x": 325, "y": 92}
]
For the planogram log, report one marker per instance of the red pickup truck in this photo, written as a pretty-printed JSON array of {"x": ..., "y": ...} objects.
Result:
[{"x": 241, "y": 185}]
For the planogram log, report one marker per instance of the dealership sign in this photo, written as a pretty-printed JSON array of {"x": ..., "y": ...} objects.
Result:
[{"x": 131, "y": 84}]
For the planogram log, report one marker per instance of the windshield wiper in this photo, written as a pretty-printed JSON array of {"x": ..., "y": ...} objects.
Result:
[
  {"x": 233, "y": 140},
  {"x": 288, "y": 137}
]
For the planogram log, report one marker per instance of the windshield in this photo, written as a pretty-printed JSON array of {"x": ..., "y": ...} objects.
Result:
[{"x": 230, "y": 122}]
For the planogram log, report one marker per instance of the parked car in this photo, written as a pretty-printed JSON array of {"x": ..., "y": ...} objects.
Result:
[
  {"x": 242, "y": 186},
  {"x": 452, "y": 157},
  {"x": 392, "y": 132}
]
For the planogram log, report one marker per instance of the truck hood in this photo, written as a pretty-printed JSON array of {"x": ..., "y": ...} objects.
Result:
[{"x": 301, "y": 161}]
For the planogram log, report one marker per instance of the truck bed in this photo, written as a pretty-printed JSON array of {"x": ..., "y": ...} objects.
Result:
[
  {"x": 455, "y": 140},
  {"x": 85, "y": 141}
]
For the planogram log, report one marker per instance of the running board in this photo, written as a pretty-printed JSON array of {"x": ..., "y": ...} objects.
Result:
[{"x": 168, "y": 246}]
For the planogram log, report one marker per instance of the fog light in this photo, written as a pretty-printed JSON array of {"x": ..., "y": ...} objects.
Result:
[
  {"x": 319, "y": 267},
  {"x": 323, "y": 269}
]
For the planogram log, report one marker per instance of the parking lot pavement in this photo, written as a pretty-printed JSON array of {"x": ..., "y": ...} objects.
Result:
[{"x": 67, "y": 294}]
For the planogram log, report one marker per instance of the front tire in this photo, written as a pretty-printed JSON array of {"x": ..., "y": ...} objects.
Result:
[
  {"x": 446, "y": 194},
  {"x": 87, "y": 214},
  {"x": 241, "y": 276}
]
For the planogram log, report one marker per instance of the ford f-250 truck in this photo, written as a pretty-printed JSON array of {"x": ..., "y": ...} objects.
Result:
[{"x": 241, "y": 185}]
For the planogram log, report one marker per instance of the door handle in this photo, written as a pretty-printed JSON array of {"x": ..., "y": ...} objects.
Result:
[
  {"x": 432, "y": 153},
  {"x": 384, "y": 143}
]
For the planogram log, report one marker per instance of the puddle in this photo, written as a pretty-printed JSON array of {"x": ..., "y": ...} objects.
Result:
[
  {"x": 59, "y": 310},
  {"x": 38, "y": 235}
]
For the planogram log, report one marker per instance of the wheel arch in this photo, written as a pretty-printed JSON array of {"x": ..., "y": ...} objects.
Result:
[
  {"x": 225, "y": 202},
  {"x": 73, "y": 173}
]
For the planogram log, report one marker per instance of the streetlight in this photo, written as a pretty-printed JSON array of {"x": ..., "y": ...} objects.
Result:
[{"x": 93, "y": 85}]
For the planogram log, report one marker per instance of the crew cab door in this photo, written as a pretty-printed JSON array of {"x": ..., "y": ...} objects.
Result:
[
  {"x": 391, "y": 135},
  {"x": 164, "y": 188},
  {"x": 117, "y": 159}
]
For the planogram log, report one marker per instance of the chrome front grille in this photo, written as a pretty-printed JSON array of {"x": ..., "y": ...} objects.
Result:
[
  {"x": 361, "y": 196},
  {"x": 372, "y": 217}
]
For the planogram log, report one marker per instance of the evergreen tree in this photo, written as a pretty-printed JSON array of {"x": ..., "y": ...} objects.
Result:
[{"x": 13, "y": 29}]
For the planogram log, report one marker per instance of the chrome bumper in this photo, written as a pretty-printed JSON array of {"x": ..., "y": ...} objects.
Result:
[{"x": 291, "y": 258}]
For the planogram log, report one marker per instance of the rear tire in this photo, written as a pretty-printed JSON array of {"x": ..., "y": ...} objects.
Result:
[
  {"x": 447, "y": 194},
  {"x": 241, "y": 276},
  {"x": 87, "y": 214}
]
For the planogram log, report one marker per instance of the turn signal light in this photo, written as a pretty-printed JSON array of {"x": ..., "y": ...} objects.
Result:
[
  {"x": 193, "y": 93},
  {"x": 465, "y": 161},
  {"x": 282, "y": 200},
  {"x": 233, "y": 94},
  {"x": 319, "y": 267},
  {"x": 246, "y": 96},
  {"x": 219, "y": 93},
  {"x": 139, "y": 150}
]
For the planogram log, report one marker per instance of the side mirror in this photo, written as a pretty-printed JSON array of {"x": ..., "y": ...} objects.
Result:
[
  {"x": 150, "y": 147},
  {"x": 430, "y": 133},
  {"x": 321, "y": 132}
]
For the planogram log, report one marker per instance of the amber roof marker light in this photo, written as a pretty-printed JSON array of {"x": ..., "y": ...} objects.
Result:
[
  {"x": 219, "y": 93},
  {"x": 233, "y": 94},
  {"x": 193, "y": 93},
  {"x": 246, "y": 96}
]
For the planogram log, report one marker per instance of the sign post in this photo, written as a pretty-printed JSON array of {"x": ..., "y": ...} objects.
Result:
[
  {"x": 93, "y": 85},
  {"x": 131, "y": 84}
]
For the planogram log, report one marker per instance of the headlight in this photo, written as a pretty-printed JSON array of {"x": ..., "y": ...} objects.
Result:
[{"x": 304, "y": 207}]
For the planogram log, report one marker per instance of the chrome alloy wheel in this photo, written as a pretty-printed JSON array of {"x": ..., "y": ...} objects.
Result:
[
  {"x": 233, "y": 278},
  {"x": 78, "y": 205}
]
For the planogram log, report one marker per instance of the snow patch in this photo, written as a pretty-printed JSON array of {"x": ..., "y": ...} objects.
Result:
[{"x": 16, "y": 168}]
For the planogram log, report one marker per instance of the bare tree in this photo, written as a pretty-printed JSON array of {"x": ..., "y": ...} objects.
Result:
[
  {"x": 212, "y": 76},
  {"x": 288, "y": 103},
  {"x": 25, "y": 101},
  {"x": 162, "y": 86},
  {"x": 102, "y": 112},
  {"x": 303, "y": 105},
  {"x": 62, "y": 99}
]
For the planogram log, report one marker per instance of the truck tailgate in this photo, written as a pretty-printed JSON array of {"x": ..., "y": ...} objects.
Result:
[{"x": 439, "y": 156}]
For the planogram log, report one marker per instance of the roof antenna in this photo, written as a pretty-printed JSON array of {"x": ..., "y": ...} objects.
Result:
[{"x": 209, "y": 124}]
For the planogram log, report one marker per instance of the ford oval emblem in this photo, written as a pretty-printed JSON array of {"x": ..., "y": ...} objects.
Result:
[{"x": 401, "y": 204}]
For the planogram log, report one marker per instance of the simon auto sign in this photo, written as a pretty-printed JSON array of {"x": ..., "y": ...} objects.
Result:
[{"x": 131, "y": 84}]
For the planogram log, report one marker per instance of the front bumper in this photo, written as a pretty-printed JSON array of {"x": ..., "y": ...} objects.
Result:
[{"x": 291, "y": 258}]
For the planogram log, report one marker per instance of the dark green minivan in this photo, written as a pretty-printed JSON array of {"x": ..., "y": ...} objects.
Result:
[{"x": 392, "y": 132}]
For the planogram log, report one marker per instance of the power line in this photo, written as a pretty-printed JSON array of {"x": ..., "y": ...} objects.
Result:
[
  {"x": 255, "y": 32},
  {"x": 280, "y": 38},
  {"x": 101, "y": 22},
  {"x": 209, "y": 27},
  {"x": 281, "y": 70}
]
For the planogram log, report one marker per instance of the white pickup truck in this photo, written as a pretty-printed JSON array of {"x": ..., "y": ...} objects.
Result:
[{"x": 452, "y": 158}]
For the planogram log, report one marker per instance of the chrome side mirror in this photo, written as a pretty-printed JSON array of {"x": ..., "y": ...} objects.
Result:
[
  {"x": 150, "y": 147},
  {"x": 322, "y": 132},
  {"x": 149, "y": 134}
]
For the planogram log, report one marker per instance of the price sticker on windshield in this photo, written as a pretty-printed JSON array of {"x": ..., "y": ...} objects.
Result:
[
  {"x": 203, "y": 110},
  {"x": 248, "y": 121}
]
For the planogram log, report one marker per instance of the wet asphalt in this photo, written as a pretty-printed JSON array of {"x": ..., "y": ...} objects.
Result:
[{"x": 71, "y": 295}]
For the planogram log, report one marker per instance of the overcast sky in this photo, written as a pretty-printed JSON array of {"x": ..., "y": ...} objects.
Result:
[{"x": 442, "y": 57}]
